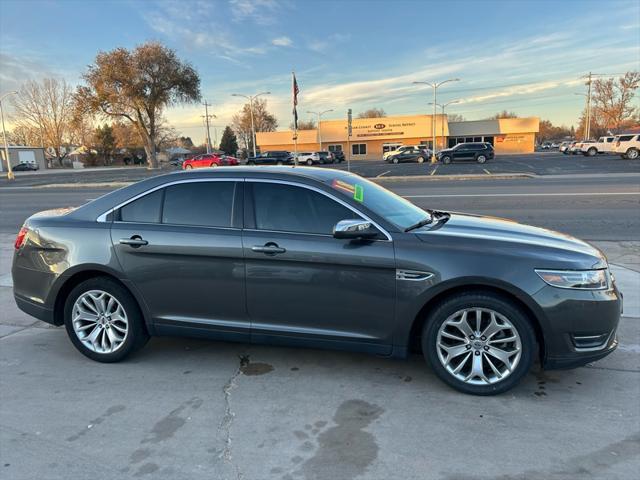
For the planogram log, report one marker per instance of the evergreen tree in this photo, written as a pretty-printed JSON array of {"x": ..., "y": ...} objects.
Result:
[{"x": 229, "y": 143}]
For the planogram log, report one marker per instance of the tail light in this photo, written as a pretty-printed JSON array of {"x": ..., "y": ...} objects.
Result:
[{"x": 22, "y": 235}]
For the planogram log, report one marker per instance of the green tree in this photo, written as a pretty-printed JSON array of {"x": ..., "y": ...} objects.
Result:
[
  {"x": 137, "y": 86},
  {"x": 105, "y": 142},
  {"x": 229, "y": 142}
]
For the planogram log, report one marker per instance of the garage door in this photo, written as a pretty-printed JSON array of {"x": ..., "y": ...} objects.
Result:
[{"x": 27, "y": 157}]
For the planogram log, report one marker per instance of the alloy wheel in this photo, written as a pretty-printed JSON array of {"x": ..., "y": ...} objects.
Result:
[
  {"x": 99, "y": 321},
  {"x": 478, "y": 346}
]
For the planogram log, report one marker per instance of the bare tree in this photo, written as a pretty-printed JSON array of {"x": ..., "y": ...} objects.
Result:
[
  {"x": 504, "y": 114},
  {"x": 23, "y": 134},
  {"x": 46, "y": 107},
  {"x": 372, "y": 113},
  {"x": 613, "y": 105},
  {"x": 264, "y": 121},
  {"x": 136, "y": 86},
  {"x": 304, "y": 124},
  {"x": 454, "y": 117}
]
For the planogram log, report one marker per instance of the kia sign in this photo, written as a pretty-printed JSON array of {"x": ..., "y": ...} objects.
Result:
[{"x": 379, "y": 126}]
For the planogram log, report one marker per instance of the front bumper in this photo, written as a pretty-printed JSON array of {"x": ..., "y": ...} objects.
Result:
[{"x": 580, "y": 326}]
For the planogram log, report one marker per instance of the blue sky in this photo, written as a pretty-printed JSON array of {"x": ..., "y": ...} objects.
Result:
[{"x": 515, "y": 55}]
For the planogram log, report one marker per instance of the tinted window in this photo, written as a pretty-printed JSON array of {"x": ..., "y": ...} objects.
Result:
[
  {"x": 295, "y": 209},
  {"x": 625, "y": 138},
  {"x": 144, "y": 210},
  {"x": 203, "y": 203}
]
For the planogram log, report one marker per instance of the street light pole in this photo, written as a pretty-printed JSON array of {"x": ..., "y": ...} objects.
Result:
[
  {"x": 10, "y": 175},
  {"x": 443, "y": 106},
  {"x": 319, "y": 114},
  {"x": 251, "y": 98},
  {"x": 435, "y": 86}
]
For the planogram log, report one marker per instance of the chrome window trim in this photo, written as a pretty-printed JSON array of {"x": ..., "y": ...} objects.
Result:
[
  {"x": 326, "y": 194},
  {"x": 102, "y": 218}
]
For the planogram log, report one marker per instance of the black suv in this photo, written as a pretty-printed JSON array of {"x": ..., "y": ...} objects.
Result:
[
  {"x": 276, "y": 157},
  {"x": 478, "y": 152}
]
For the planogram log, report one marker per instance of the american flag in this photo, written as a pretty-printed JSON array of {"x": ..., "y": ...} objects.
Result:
[{"x": 296, "y": 90}]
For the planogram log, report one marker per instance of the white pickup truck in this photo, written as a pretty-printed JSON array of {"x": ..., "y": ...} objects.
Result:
[{"x": 602, "y": 145}]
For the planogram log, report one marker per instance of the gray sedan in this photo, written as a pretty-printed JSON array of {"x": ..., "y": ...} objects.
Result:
[{"x": 319, "y": 258}]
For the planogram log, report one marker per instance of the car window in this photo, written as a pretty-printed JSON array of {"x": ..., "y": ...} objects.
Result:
[
  {"x": 143, "y": 210},
  {"x": 207, "y": 204},
  {"x": 625, "y": 138},
  {"x": 288, "y": 208}
]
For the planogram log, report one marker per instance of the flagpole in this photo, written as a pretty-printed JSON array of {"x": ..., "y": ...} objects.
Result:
[{"x": 294, "y": 100}]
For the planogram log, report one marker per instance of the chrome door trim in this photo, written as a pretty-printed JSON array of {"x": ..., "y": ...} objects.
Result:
[
  {"x": 102, "y": 218},
  {"x": 326, "y": 194}
]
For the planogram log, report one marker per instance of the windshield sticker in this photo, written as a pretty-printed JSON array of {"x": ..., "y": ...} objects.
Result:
[{"x": 356, "y": 190}]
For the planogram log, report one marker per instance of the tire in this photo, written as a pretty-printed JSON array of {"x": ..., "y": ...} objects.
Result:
[
  {"x": 213, "y": 165},
  {"x": 515, "y": 325},
  {"x": 251, "y": 163},
  {"x": 395, "y": 160},
  {"x": 135, "y": 334},
  {"x": 279, "y": 162},
  {"x": 481, "y": 159},
  {"x": 309, "y": 162},
  {"x": 446, "y": 159},
  {"x": 632, "y": 154},
  {"x": 420, "y": 159},
  {"x": 592, "y": 152}
]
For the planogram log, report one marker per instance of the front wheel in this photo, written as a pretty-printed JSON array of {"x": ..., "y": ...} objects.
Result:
[
  {"x": 632, "y": 154},
  {"x": 213, "y": 165},
  {"x": 479, "y": 343},
  {"x": 188, "y": 167},
  {"x": 309, "y": 162},
  {"x": 592, "y": 152},
  {"x": 395, "y": 160},
  {"x": 103, "y": 320},
  {"x": 446, "y": 159},
  {"x": 420, "y": 159}
]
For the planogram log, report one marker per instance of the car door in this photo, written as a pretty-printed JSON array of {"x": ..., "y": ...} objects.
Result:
[
  {"x": 181, "y": 248},
  {"x": 464, "y": 153},
  {"x": 303, "y": 285}
]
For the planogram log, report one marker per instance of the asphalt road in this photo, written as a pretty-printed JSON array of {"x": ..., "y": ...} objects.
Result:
[
  {"x": 539, "y": 163},
  {"x": 594, "y": 208},
  {"x": 191, "y": 409}
]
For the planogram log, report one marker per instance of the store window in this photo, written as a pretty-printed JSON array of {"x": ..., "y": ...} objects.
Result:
[
  {"x": 359, "y": 149},
  {"x": 335, "y": 148}
]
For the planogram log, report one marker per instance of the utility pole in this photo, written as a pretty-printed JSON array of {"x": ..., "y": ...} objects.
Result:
[
  {"x": 10, "y": 175},
  {"x": 589, "y": 77},
  {"x": 319, "y": 114},
  {"x": 435, "y": 86},
  {"x": 443, "y": 106},
  {"x": 206, "y": 117},
  {"x": 349, "y": 130}
]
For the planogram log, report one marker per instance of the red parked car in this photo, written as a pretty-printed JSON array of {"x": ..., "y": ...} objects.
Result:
[{"x": 209, "y": 160}]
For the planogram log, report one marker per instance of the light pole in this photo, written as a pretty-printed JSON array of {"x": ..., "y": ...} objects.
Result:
[
  {"x": 435, "y": 86},
  {"x": 253, "y": 129},
  {"x": 319, "y": 114},
  {"x": 443, "y": 106},
  {"x": 10, "y": 175}
]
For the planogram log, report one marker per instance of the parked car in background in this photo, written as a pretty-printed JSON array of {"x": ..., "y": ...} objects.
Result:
[
  {"x": 593, "y": 147},
  {"x": 177, "y": 162},
  {"x": 564, "y": 146},
  {"x": 308, "y": 158},
  {"x": 571, "y": 149},
  {"x": 398, "y": 150},
  {"x": 338, "y": 155},
  {"x": 476, "y": 152},
  {"x": 555, "y": 145},
  {"x": 25, "y": 167},
  {"x": 413, "y": 154},
  {"x": 546, "y": 146},
  {"x": 209, "y": 160},
  {"x": 326, "y": 157},
  {"x": 321, "y": 258},
  {"x": 275, "y": 157},
  {"x": 627, "y": 145}
]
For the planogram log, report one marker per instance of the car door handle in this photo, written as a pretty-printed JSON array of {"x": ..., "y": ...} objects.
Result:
[
  {"x": 135, "y": 241},
  {"x": 269, "y": 249}
]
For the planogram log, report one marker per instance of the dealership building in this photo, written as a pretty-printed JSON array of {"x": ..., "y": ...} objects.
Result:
[{"x": 371, "y": 137}]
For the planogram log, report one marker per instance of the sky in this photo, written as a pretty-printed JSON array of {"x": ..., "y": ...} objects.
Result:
[{"x": 520, "y": 56}]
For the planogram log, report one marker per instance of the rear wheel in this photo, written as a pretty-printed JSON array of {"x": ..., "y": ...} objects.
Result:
[
  {"x": 481, "y": 159},
  {"x": 188, "y": 166},
  {"x": 592, "y": 152},
  {"x": 213, "y": 165},
  {"x": 251, "y": 163},
  {"x": 279, "y": 162},
  {"x": 446, "y": 159},
  {"x": 479, "y": 343},
  {"x": 309, "y": 162},
  {"x": 103, "y": 320},
  {"x": 420, "y": 159}
]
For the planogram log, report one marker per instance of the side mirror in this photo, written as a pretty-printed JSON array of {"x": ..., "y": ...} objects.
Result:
[{"x": 354, "y": 229}]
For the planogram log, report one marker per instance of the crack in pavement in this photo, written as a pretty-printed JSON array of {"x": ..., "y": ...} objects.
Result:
[{"x": 229, "y": 415}]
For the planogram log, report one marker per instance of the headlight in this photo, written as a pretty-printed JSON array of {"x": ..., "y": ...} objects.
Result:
[{"x": 578, "y": 279}]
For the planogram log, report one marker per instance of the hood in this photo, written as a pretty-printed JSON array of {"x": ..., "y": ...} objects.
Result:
[{"x": 562, "y": 249}]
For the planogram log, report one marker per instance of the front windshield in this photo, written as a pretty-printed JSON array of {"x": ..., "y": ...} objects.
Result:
[{"x": 388, "y": 205}]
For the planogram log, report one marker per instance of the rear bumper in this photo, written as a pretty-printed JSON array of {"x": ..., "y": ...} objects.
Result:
[{"x": 34, "y": 309}]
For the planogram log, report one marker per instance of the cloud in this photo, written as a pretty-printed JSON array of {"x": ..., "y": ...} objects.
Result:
[
  {"x": 282, "y": 42},
  {"x": 330, "y": 41},
  {"x": 261, "y": 12}
]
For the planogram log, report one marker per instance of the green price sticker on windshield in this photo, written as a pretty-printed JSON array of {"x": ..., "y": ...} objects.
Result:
[{"x": 358, "y": 193}]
